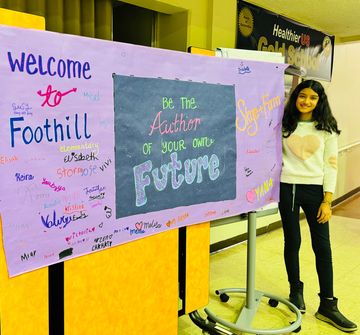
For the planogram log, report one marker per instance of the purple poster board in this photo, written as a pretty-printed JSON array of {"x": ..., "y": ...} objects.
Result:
[{"x": 82, "y": 118}]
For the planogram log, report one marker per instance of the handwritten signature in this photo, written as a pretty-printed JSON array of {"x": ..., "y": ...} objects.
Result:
[{"x": 243, "y": 70}]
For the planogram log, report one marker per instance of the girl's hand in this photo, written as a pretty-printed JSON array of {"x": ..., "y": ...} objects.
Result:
[{"x": 324, "y": 212}]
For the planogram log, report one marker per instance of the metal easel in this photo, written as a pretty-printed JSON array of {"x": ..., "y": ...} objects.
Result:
[{"x": 214, "y": 325}]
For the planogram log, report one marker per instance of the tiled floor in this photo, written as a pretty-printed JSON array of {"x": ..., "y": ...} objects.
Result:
[{"x": 228, "y": 269}]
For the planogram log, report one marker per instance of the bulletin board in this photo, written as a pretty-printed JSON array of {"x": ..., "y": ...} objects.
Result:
[{"x": 103, "y": 143}]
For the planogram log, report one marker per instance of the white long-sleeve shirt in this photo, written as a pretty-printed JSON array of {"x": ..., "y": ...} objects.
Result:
[{"x": 310, "y": 157}]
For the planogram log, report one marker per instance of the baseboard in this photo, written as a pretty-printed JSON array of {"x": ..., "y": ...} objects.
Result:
[
  {"x": 215, "y": 247},
  {"x": 345, "y": 196}
]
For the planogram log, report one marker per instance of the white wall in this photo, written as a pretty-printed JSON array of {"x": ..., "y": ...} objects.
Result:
[
  {"x": 344, "y": 91},
  {"x": 344, "y": 94}
]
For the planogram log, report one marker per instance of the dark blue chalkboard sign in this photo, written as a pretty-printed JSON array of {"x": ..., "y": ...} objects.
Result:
[{"x": 175, "y": 144}]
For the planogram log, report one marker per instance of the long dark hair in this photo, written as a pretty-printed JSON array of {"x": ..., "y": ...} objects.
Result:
[{"x": 322, "y": 115}]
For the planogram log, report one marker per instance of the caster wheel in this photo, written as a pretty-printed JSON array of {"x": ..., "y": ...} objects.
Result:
[
  {"x": 297, "y": 329},
  {"x": 273, "y": 302},
  {"x": 224, "y": 297}
]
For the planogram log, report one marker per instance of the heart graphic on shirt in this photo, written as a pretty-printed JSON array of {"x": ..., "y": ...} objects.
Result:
[{"x": 303, "y": 147}]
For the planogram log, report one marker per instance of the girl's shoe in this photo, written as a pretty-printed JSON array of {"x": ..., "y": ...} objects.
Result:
[
  {"x": 296, "y": 296},
  {"x": 328, "y": 312}
]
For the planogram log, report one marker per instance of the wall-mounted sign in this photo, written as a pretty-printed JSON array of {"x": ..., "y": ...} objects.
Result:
[{"x": 308, "y": 49}]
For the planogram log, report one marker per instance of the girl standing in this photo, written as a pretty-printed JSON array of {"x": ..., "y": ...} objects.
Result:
[{"x": 308, "y": 180}]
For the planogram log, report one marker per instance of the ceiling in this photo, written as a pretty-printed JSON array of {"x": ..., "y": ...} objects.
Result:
[{"x": 334, "y": 17}]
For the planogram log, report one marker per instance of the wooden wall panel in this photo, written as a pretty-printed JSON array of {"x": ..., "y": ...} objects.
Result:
[
  {"x": 197, "y": 266},
  {"x": 128, "y": 289}
]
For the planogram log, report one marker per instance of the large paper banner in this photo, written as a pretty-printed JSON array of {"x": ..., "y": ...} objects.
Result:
[{"x": 102, "y": 143}]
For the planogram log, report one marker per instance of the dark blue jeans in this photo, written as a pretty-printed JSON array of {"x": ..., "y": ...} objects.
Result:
[{"x": 309, "y": 198}]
